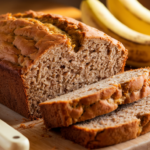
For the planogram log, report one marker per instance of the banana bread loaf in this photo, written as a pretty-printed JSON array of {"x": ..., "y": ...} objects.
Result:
[
  {"x": 96, "y": 99},
  {"x": 43, "y": 56},
  {"x": 125, "y": 123}
]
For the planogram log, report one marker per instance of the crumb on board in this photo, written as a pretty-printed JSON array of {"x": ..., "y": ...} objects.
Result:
[
  {"x": 25, "y": 120},
  {"x": 23, "y": 126}
]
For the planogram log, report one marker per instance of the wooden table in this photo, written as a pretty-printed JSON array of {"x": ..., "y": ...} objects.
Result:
[{"x": 39, "y": 138}]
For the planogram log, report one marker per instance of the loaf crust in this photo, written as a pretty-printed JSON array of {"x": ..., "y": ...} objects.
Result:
[
  {"x": 98, "y": 139},
  {"x": 121, "y": 132},
  {"x": 12, "y": 92},
  {"x": 86, "y": 31},
  {"x": 25, "y": 39},
  {"x": 66, "y": 112}
]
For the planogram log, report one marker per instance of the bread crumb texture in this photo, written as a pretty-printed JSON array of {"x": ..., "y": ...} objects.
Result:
[
  {"x": 125, "y": 123},
  {"x": 55, "y": 55},
  {"x": 96, "y": 99}
]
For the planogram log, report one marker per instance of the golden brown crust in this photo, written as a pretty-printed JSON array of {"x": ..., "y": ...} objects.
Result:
[
  {"x": 73, "y": 24},
  {"x": 26, "y": 34},
  {"x": 146, "y": 127},
  {"x": 95, "y": 104},
  {"x": 97, "y": 138},
  {"x": 100, "y": 138},
  {"x": 84, "y": 32},
  {"x": 99, "y": 108},
  {"x": 12, "y": 93},
  {"x": 23, "y": 41}
]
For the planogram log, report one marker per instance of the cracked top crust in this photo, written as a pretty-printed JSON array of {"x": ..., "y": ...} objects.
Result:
[
  {"x": 24, "y": 37},
  {"x": 23, "y": 40}
]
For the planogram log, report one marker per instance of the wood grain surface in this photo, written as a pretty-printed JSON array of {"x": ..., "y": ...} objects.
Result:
[{"x": 41, "y": 139}]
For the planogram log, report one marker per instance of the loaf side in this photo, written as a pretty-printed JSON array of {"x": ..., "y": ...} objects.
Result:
[{"x": 12, "y": 92}]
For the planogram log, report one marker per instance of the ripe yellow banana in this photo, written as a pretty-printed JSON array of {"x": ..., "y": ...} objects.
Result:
[
  {"x": 137, "y": 9},
  {"x": 131, "y": 13},
  {"x": 95, "y": 14}
]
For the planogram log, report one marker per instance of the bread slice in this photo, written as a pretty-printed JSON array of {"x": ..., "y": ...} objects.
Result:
[
  {"x": 127, "y": 122},
  {"x": 96, "y": 99},
  {"x": 45, "y": 55}
]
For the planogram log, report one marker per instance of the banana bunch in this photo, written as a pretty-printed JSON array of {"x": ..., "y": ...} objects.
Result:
[{"x": 127, "y": 21}]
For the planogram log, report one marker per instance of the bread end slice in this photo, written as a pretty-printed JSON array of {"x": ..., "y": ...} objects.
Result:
[
  {"x": 125, "y": 123},
  {"x": 102, "y": 138}
]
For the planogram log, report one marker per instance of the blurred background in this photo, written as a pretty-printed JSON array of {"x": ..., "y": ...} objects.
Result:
[
  {"x": 75, "y": 3},
  {"x": 15, "y": 6}
]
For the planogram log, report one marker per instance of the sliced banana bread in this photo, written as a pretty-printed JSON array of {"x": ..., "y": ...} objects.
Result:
[
  {"x": 96, "y": 99},
  {"x": 44, "y": 55},
  {"x": 127, "y": 122}
]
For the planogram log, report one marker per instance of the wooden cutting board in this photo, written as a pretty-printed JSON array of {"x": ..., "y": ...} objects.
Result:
[{"x": 39, "y": 138}]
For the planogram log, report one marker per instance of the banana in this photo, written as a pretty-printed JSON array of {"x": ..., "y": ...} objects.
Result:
[
  {"x": 102, "y": 15},
  {"x": 132, "y": 14},
  {"x": 95, "y": 14},
  {"x": 134, "y": 6}
]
